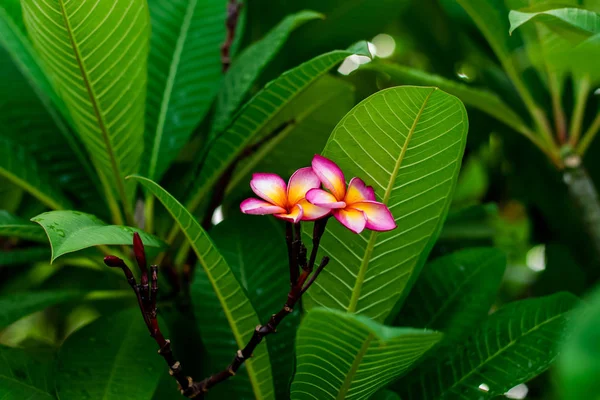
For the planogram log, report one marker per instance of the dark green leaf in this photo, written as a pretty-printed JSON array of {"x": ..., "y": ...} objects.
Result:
[
  {"x": 19, "y": 305},
  {"x": 455, "y": 292},
  {"x": 24, "y": 256},
  {"x": 184, "y": 70},
  {"x": 70, "y": 231},
  {"x": 112, "y": 358},
  {"x": 25, "y": 375},
  {"x": 249, "y": 64},
  {"x": 232, "y": 299},
  {"x": 343, "y": 356},
  {"x": 513, "y": 345},
  {"x": 15, "y": 227},
  {"x": 406, "y": 142}
]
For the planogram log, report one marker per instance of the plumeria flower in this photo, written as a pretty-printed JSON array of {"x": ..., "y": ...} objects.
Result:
[
  {"x": 286, "y": 202},
  {"x": 355, "y": 206}
]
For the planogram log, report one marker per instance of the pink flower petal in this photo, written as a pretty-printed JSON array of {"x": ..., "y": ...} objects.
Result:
[
  {"x": 301, "y": 182},
  {"x": 330, "y": 175},
  {"x": 312, "y": 212},
  {"x": 379, "y": 217},
  {"x": 352, "y": 219},
  {"x": 270, "y": 187},
  {"x": 259, "y": 207},
  {"x": 358, "y": 191},
  {"x": 295, "y": 216},
  {"x": 321, "y": 198}
]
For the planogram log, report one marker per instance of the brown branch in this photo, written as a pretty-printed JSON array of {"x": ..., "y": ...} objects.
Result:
[
  {"x": 147, "y": 295},
  {"x": 234, "y": 9}
]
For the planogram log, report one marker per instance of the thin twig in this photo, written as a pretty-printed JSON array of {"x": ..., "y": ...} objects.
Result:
[{"x": 234, "y": 9}]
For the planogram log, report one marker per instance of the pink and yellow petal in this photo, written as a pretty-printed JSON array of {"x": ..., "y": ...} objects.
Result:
[
  {"x": 330, "y": 175},
  {"x": 301, "y": 182},
  {"x": 352, "y": 219},
  {"x": 358, "y": 191},
  {"x": 270, "y": 187},
  {"x": 260, "y": 207},
  {"x": 322, "y": 198},
  {"x": 294, "y": 216},
  {"x": 379, "y": 217},
  {"x": 312, "y": 212}
]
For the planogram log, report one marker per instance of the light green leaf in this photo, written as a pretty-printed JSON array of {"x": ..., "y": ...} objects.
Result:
[
  {"x": 408, "y": 143},
  {"x": 25, "y": 375},
  {"x": 15, "y": 227},
  {"x": 257, "y": 114},
  {"x": 23, "y": 256},
  {"x": 455, "y": 292},
  {"x": 480, "y": 99},
  {"x": 579, "y": 360},
  {"x": 579, "y": 21},
  {"x": 343, "y": 356},
  {"x": 18, "y": 166},
  {"x": 233, "y": 301},
  {"x": 247, "y": 67},
  {"x": 96, "y": 54},
  {"x": 18, "y": 305},
  {"x": 70, "y": 231},
  {"x": 111, "y": 358},
  {"x": 255, "y": 249},
  {"x": 513, "y": 345},
  {"x": 184, "y": 74}
]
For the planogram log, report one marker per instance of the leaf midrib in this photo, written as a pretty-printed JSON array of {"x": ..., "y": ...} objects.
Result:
[
  {"x": 388, "y": 191},
  {"x": 101, "y": 123},
  {"x": 167, "y": 93},
  {"x": 354, "y": 367}
]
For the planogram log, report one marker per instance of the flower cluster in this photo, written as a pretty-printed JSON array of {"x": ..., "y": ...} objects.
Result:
[{"x": 303, "y": 199}]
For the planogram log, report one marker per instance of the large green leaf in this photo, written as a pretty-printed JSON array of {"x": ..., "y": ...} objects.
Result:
[
  {"x": 233, "y": 301},
  {"x": 513, "y": 345},
  {"x": 249, "y": 64},
  {"x": 16, "y": 306},
  {"x": 184, "y": 73},
  {"x": 343, "y": 356},
  {"x": 579, "y": 361},
  {"x": 15, "y": 227},
  {"x": 480, "y": 99},
  {"x": 255, "y": 249},
  {"x": 257, "y": 114},
  {"x": 96, "y": 53},
  {"x": 406, "y": 142},
  {"x": 70, "y": 231},
  {"x": 112, "y": 358},
  {"x": 25, "y": 375},
  {"x": 13, "y": 37},
  {"x": 455, "y": 292},
  {"x": 579, "y": 22},
  {"x": 19, "y": 166}
]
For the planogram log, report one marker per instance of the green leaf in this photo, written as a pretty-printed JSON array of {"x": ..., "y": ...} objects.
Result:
[
  {"x": 25, "y": 375},
  {"x": 96, "y": 53},
  {"x": 18, "y": 305},
  {"x": 255, "y": 249},
  {"x": 579, "y": 360},
  {"x": 343, "y": 356},
  {"x": 70, "y": 231},
  {"x": 513, "y": 345},
  {"x": 233, "y": 301},
  {"x": 18, "y": 166},
  {"x": 578, "y": 21},
  {"x": 23, "y": 256},
  {"x": 406, "y": 142},
  {"x": 111, "y": 358},
  {"x": 455, "y": 292},
  {"x": 247, "y": 67},
  {"x": 184, "y": 74},
  {"x": 385, "y": 395},
  {"x": 15, "y": 227},
  {"x": 480, "y": 99},
  {"x": 13, "y": 37},
  {"x": 258, "y": 112}
]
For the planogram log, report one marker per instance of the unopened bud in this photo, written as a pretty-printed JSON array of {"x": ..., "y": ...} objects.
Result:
[
  {"x": 114, "y": 261},
  {"x": 138, "y": 250}
]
